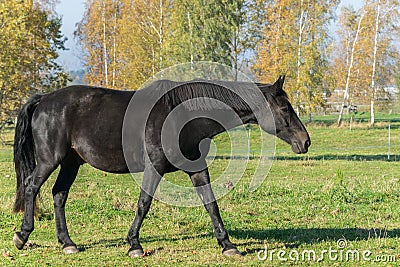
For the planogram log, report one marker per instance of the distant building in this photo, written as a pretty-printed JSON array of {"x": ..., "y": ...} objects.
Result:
[{"x": 386, "y": 99}]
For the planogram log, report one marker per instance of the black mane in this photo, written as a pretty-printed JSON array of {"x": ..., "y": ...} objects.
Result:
[{"x": 233, "y": 94}]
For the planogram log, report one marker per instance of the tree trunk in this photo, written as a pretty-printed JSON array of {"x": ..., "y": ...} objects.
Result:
[
  {"x": 191, "y": 41},
  {"x": 161, "y": 34},
  {"x": 346, "y": 91},
  {"x": 105, "y": 61},
  {"x": 114, "y": 63},
  {"x": 300, "y": 40},
  {"x": 373, "y": 86}
]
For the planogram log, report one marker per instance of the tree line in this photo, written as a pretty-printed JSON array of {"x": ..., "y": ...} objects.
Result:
[{"x": 125, "y": 42}]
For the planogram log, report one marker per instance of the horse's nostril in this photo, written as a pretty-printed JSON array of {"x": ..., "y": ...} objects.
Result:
[{"x": 307, "y": 143}]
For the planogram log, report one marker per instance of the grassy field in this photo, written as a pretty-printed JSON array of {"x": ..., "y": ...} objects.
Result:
[{"x": 344, "y": 189}]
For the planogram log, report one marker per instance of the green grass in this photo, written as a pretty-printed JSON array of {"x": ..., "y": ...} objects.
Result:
[{"x": 343, "y": 188}]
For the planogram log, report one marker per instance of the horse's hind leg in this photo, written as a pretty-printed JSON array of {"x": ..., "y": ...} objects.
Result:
[
  {"x": 151, "y": 179},
  {"x": 66, "y": 177},
  {"x": 201, "y": 181},
  {"x": 33, "y": 183}
]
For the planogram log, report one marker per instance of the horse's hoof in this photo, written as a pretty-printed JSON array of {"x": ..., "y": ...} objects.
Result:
[
  {"x": 70, "y": 250},
  {"x": 136, "y": 253},
  {"x": 18, "y": 242},
  {"x": 231, "y": 252}
]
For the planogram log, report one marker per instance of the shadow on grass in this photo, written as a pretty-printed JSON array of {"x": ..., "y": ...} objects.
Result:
[
  {"x": 147, "y": 239},
  {"x": 291, "y": 238},
  {"x": 328, "y": 121},
  {"x": 297, "y": 236},
  {"x": 351, "y": 157},
  {"x": 115, "y": 242}
]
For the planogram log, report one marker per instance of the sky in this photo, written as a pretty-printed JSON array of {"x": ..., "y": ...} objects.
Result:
[{"x": 72, "y": 11}]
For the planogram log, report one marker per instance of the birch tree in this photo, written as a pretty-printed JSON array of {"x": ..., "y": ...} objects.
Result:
[
  {"x": 384, "y": 60},
  {"x": 350, "y": 67},
  {"x": 97, "y": 33},
  {"x": 124, "y": 40},
  {"x": 373, "y": 89},
  {"x": 296, "y": 43},
  {"x": 372, "y": 59},
  {"x": 216, "y": 30}
]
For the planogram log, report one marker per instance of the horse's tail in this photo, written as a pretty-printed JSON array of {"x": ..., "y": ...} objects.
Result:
[{"x": 24, "y": 150}]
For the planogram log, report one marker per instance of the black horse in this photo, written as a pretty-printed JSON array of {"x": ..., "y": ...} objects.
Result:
[{"x": 82, "y": 124}]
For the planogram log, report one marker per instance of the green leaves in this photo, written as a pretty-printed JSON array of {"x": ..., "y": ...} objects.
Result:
[
  {"x": 295, "y": 43},
  {"x": 30, "y": 37}
]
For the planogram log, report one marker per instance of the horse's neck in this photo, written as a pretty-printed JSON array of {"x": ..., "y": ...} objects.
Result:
[{"x": 245, "y": 117}]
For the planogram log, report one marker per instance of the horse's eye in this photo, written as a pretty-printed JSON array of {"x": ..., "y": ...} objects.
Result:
[{"x": 285, "y": 109}]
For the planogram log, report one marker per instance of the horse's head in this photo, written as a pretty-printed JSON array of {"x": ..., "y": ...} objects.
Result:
[{"x": 288, "y": 126}]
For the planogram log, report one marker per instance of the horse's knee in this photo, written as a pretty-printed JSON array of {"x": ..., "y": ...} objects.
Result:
[
  {"x": 28, "y": 180},
  {"x": 28, "y": 191},
  {"x": 59, "y": 199},
  {"x": 31, "y": 191}
]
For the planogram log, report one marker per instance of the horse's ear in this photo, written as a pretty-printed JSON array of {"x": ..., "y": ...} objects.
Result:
[
  {"x": 278, "y": 85},
  {"x": 272, "y": 88},
  {"x": 282, "y": 80}
]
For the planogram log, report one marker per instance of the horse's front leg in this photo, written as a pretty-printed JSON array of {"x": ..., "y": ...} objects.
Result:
[
  {"x": 151, "y": 179},
  {"x": 201, "y": 181}
]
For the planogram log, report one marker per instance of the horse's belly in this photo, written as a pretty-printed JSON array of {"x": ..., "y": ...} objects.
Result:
[
  {"x": 109, "y": 161},
  {"x": 108, "y": 155}
]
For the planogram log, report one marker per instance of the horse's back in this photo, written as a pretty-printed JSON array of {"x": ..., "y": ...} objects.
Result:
[{"x": 87, "y": 119}]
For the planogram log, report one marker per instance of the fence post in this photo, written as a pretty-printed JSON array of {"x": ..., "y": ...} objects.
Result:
[
  {"x": 248, "y": 143},
  {"x": 389, "y": 142},
  {"x": 351, "y": 121}
]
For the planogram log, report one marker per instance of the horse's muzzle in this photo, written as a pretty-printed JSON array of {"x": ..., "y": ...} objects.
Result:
[{"x": 301, "y": 145}]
